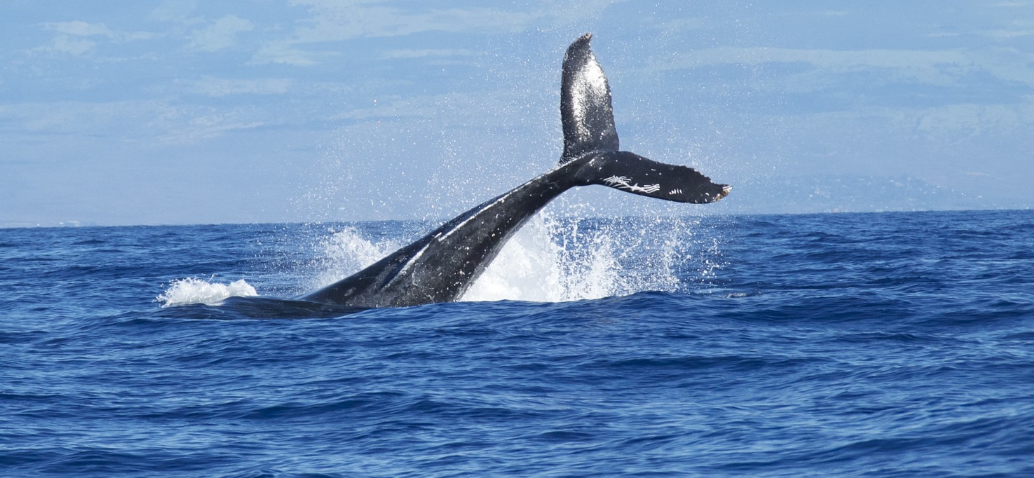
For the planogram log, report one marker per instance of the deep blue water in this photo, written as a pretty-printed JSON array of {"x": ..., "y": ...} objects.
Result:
[{"x": 894, "y": 344}]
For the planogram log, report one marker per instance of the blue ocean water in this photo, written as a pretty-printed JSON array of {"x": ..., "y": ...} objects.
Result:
[{"x": 892, "y": 344}]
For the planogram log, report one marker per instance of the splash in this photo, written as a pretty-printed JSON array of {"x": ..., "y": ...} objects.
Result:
[
  {"x": 344, "y": 253},
  {"x": 550, "y": 259},
  {"x": 535, "y": 266},
  {"x": 198, "y": 291}
]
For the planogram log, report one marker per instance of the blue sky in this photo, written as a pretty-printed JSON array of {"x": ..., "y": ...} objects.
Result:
[{"x": 255, "y": 111}]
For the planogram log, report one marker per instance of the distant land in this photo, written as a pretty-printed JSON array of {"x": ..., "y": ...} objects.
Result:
[{"x": 846, "y": 193}]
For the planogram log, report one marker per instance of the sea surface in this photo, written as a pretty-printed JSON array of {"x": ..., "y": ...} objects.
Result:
[{"x": 883, "y": 344}]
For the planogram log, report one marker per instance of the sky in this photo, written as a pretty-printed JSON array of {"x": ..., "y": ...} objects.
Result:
[{"x": 188, "y": 112}]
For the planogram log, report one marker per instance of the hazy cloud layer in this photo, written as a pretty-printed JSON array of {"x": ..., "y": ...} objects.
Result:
[
  {"x": 942, "y": 91},
  {"x": 221, "y": 34}
]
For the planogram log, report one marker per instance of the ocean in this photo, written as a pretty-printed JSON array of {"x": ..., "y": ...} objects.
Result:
[{"x": 875, "y": 344}]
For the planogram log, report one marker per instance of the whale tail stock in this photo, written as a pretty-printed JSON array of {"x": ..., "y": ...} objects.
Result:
[{"x": 591, "y": 137}]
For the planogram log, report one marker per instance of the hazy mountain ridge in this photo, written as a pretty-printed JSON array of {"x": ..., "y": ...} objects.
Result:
[{"x": 854, "y": 193}]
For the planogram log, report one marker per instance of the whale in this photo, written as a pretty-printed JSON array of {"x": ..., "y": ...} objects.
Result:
[{"x": 442, "y": 265}]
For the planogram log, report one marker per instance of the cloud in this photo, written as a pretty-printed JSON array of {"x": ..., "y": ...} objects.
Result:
[
  {"x": 226, "y": 87},
  {"x": 424, "y": 53},
  {"x": 68, "y": 118},
  {"x": 336, "y": 21},
  {"x": 209, "y": 126},
  {"x": 71, "y": 37},
  {"x": 956, "y": 122},
  {"x": 1016, "y": 29},
  {"x": 130, "y": 121},
  {"x": 221, "y": 34},
  {"x": 342, "y": 20},
  {"x": 939, "y": 95},
  {"x": 175, "y": 11},
  {"x": 285, "y": 54},
  {"x": 79, "y": 38},
  {"x": 71, "y": 46},
  {"x": 921, "y": 63},
  {"x": 944, "y": 68},
  {"x": 79, "y": 28}
]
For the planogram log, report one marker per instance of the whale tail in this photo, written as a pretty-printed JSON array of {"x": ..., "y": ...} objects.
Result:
[{"x": 590, "y": 135}]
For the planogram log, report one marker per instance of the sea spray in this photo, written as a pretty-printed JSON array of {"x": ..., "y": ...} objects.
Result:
[
  {"x": 199, "y": 291},
  {"x": 345, "y": 252},
  {"x": 549, "y": 260},
  {"x": 533, "y": 266}
]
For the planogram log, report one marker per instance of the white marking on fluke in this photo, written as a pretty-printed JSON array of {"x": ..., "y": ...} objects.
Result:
[{"x": 624, "y": 183}]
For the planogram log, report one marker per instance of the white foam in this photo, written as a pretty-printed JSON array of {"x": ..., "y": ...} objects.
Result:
[
  {"x": 199, "y": 291},
  {"x": 525, "y": 269},
  {"x": 548, "y": 260},
  {"x": 344, "y": 253}
]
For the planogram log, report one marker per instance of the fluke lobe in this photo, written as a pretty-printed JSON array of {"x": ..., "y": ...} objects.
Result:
[{"x": 443, "y": 264}]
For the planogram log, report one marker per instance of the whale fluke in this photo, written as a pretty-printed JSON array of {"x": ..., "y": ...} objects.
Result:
[
  {"x": 585, "y": 108},
  {"x": 635, "y": 174}
]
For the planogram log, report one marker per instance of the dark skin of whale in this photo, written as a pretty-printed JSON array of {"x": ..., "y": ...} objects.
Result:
[{"x": 441, "y": 266}]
